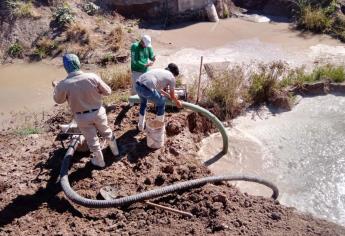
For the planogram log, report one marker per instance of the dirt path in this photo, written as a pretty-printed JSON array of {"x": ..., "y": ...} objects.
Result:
[{"x": 31, "y": 201}]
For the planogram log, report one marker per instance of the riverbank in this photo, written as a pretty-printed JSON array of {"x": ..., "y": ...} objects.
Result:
[{"x": 28, "y": 176}]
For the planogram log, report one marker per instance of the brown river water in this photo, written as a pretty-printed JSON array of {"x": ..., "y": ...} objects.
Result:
[{"x": 27, "y": 88}]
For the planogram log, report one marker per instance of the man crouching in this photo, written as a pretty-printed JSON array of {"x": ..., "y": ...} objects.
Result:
[{"x": 84, "y": 91}]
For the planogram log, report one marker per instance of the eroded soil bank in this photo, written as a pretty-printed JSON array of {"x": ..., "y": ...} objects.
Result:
[{"x": 31, "y": 201}]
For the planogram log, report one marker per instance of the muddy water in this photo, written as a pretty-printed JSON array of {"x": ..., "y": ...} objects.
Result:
[
  {"x": 302, "y": 151},
  {"x": 241, "y": 41},
  {"x": 27, "y": 87}
]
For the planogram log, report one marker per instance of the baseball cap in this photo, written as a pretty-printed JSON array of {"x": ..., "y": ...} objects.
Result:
[{"x": 147, "y": 40}]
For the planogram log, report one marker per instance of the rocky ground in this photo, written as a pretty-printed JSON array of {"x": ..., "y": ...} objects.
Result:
[{"x": 32, "y": 203}]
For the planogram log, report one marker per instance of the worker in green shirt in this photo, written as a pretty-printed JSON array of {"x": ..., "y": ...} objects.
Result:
[{"x": 142, "y": 57}]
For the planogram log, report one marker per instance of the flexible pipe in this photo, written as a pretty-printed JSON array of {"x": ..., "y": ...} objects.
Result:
[
  {"x": 135, "y": 99},
  {"x": 214, "y": 120},
  {"x": 76, "y": 198}
]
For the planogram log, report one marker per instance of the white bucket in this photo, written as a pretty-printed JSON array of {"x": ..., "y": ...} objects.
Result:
[
  {"x": 155, "y": 133},
  {"x": 212, "y": 13}
]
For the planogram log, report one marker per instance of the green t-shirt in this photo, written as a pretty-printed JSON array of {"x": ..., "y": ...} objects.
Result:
[{"x": 140, "y": 56}]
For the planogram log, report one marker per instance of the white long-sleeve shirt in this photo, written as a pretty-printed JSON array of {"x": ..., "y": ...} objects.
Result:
[{"x": 83, "y": 91}]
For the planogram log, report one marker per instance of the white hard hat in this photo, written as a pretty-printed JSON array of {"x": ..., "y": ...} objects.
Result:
[{"x": 147, "y": 40}]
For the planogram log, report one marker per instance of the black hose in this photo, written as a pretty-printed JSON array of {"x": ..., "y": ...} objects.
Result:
[{"x": 76, "y": 198}]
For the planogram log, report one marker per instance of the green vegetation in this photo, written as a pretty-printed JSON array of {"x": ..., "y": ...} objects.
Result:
[
  {"x": 117, "y": 77},
  {"x": 298, "y": 77},
  {"x": 314, "y": 19},
  {"x": 15, "y": 50},
  {"x": 27, "y": 131},
  {"x": 64, "y": 16},
  {"x": 232, "y": 90},
  {"x": 265, "y": 82},
  {"x": 322, "y": 16}
]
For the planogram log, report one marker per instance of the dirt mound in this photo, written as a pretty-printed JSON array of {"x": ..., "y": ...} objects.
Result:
[{"x": 32, "y": 203}]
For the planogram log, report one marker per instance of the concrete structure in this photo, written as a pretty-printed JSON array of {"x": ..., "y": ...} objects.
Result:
[{"x": 163, "y": 10}]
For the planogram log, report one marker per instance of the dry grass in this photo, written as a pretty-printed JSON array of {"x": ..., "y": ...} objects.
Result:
[
  {"x": 315, "y": 19},
  {"x": 117, "y": 76},
  {"x": 117, "y": 97},
  {"x": 116, "y": 38},
  {"x": 228, "y": 91},
  {"x": 46, "y": 47},
  {"x": 78, "y": 34},
  {"x": 25, "y": 10},
  {"x": 265, "y": 82}
]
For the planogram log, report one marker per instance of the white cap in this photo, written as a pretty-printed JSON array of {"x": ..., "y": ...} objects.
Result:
[{"x": 147, "y": 40}]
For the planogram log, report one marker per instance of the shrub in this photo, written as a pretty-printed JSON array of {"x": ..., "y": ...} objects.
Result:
[
  {"x": 226, "y": 91},
  {"x": 15, "y": 50},
  {"x": 298, "y": 77},
  {"x": 63, "y": 16},
  {"x": 116, "y": 38},
  {"x": 333, "y": 73},
  {"x": 45, "y": 47},
  {"x": 90, "y": 8},
  {"x": 315, "y": 19},
  {"x": 117, "y": 77},
  {"x": 78, "y": 34},
  {"x": 265, "y": 82}
]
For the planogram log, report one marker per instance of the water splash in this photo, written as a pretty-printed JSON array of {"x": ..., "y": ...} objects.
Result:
[{"x": 302, "y": 151}]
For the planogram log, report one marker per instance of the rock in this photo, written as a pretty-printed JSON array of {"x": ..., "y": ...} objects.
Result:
[
  {"x": 278, "y": 8},
  {"x": 275, "y": 216},
  {"x": 33, "y": 136}
]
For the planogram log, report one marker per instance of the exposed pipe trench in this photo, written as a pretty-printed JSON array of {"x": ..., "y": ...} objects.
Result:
[{"x": 76, "y": 198}]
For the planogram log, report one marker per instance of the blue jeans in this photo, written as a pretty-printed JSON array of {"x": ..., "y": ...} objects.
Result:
[{"x": 154, "y": 96}]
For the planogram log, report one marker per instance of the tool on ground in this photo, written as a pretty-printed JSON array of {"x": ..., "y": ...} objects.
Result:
[{"x": 110, "y": 192}]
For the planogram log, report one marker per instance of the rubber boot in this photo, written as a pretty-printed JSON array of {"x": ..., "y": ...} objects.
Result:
[
  {"x": 160, "y": 118},
  {"x": 98, "y": 159},
  {"x": 141, "y": 123},
  {"x": 113, "y": 146}
]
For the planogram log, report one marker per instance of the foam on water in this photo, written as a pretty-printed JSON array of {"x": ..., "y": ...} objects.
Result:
[{"x": 302, "y": 151}]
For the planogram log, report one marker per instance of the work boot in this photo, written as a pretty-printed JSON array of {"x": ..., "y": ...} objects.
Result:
[
  {"x": 141, "y": 123},
  {"x": 98, "y": 159},
  {"x": 160, "y": 118},
  {"x": 113, "y": 146}
]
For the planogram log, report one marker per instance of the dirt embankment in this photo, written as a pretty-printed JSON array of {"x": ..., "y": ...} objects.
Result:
[
  {"x": 31, "y": 201},
  {"x": 38, "y": 30}
]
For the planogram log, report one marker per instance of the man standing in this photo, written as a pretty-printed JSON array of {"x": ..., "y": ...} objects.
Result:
[
  {"x": 142, "y": 57},
  {"x": 151, "y": 86},
  {"x": 84, "y": 91}
]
